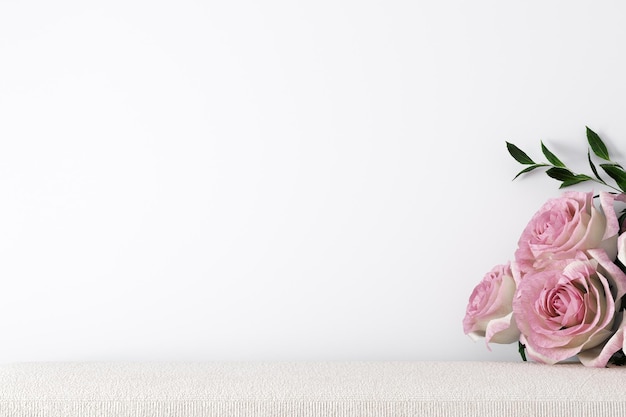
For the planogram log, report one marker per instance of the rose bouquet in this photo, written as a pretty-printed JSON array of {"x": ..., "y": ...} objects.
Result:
[{"x": 563, "y": 294}]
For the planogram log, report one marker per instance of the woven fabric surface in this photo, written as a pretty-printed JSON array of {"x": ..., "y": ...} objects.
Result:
[{"x": 302, "y": 389}]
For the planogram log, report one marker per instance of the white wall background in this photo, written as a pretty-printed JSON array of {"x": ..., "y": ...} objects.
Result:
[{"x": 280, "y": 180}]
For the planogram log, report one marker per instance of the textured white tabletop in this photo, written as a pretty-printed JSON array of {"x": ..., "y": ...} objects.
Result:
[{"x": 310, "y": 388}]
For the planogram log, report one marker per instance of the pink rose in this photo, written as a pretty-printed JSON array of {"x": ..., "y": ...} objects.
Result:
[
  {"x": 571, "y": 310},
  {"x": 564, "y": 226},
  {"x": 489, "y": 311}
]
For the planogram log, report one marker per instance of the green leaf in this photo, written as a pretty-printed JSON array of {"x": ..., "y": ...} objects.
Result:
[
  {"x": 519, "y": 155},
  {"x": 593, "y": 166},
  {"x": 561, "y": 174},
  {"x": 530, "y": 168},
  {"x": 522, "y": 350},
  {"x": 617, "y": 174},
  {"x": 597, "y": 146},
  {"x": 618, "y": 358},
  {"x": 551, "y": 157},
  {"x": 576, "y": 180}
]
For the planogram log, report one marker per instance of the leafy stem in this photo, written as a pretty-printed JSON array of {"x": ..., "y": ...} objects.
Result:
[
  {"x": 522, "y": 350},
  {"x": 560, "y": 172}
]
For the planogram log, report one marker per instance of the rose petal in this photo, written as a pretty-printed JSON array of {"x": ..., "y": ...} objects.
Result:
[
  {"x": 599, "y": 356},
  {"x": 502, "y": 330},
  {"x": 621, "y": 248},
  {"x": 607, "y": 202},
  {"x": 618, "y": 276}
]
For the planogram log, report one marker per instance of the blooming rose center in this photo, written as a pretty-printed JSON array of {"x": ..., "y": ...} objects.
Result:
[
  {"x": 551, "y": 226},
  {"x": 563, "y": 306},
  {"x": 480, "y": 297}
]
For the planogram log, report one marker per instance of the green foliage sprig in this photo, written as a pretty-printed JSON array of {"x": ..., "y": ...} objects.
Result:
[{"x": 560, "y": 172}]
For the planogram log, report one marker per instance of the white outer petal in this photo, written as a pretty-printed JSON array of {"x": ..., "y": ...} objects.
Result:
[
  {"x": 607, "y": 202},
  {"x": 621, "y": 248},
  {"x": 598, "y": 357},
  {"x": 502, "y": 330}
]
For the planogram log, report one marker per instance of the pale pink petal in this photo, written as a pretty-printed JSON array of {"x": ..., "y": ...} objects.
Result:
[
  {"x": 599, "y": 356},
  {"x": 595, "y": 231},
  {"x": 613, "y": 270},
  {"x": 536, "y": 356},
  {"x": 502, "y": 330},
  {"x": 621, "y": 248},
  {"x": 607, "y": 202},
  {"x": 610, "y": 246},
  {"x": 621, "y": 197}
]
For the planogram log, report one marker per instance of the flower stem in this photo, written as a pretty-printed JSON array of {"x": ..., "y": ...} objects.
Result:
[
  {"x": 522, "y": 351},
  {"x": 607, "y": 185}
]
